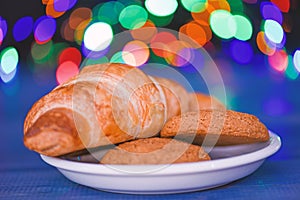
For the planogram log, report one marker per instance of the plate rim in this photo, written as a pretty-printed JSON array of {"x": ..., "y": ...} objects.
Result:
[{"x": 168, "y": 169}]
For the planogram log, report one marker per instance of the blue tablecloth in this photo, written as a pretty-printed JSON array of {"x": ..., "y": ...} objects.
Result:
[{"x": 23, "y": 175}]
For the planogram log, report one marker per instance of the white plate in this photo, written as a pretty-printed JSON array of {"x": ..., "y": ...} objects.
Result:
[{"x": 173, "y": 178}]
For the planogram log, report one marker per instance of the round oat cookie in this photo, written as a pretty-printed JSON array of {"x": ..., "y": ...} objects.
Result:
[{"x": 154, "y": 151}]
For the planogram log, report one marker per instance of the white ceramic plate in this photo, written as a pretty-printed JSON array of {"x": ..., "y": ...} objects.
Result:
[{"x": 173, "y": 178}]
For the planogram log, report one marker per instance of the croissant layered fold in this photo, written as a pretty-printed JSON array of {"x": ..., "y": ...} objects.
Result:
[{"x": 104, "y": 104}]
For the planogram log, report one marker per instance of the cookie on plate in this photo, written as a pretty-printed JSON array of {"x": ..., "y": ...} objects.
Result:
[
  {"x": 154, "y": 151},
  {"x": 216, "y": 127}
]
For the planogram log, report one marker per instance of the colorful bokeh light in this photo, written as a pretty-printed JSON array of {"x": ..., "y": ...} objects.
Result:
[
  {"x": 178, "y": 53},
  {"x": 243, "y": 27},
  {"x": 194, "y": 5},
  {"x": 70, "y": 54},
  {"x": 117, "y": 57},
  {"x": 135, "y": 53},
  {"x": 44, "y": 29},
  {"x": 271, "y": 11},
  {"x": 23, "y": 28},
  {"x": 63, "y": 5},
  {"x": 98, "y": 36},
  {"x": 283, "y": 5},
  {"x": 159, "y": 44},
  {"x": 263, "y": 45},
  {"x": 108, "y": 12},
  {"x": 291, "y": 72},
  {"x": 223, "y": 24},
  {"x": 9, "y": 59},
  {"x": 65, "y": 71},
  {"x": 200, "y": 34},
  {"x": 51, "y": 11},
  {"x": 161, "y": 8},
  {"x": 133, "y": 16},
  {"x": 3, "y": 28},
  {"x": 241, "y": 51},
  {"x": 296, "y": 60},
  {"x": 8, "y": 77},
  {"x": 42, "y": 52},
  {"x": 145, "y": 33},
  {"x": 1, "y": 36},
  {"x": 273, "y": 31},
  {"x": 79, "y": 15},
  {"x": 279, "y": 60}
]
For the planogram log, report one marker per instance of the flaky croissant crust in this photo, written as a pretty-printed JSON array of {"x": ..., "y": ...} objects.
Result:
[{"x": 104, "y": 104}]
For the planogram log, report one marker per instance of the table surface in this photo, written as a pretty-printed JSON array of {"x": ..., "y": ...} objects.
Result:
[{"x": 23, "y": 175}]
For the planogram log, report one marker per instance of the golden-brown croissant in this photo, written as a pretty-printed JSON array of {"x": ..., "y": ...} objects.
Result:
[{"x": 104, "y": 104}]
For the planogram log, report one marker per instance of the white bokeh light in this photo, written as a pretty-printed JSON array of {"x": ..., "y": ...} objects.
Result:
[
  {"x": 98, "y": 36},
  {"x": 161, "y": 8}
]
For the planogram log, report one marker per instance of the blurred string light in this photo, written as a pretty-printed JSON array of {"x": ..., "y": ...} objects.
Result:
[
  {"x": 296, "y": 60},
  {"x": 273, "y": 31},
  {"x": 133, "y": 16},
  {"x": 194, "y": 5},
  {"x": 23, "y": 28},
  {"x": 144, "y": 33},
  {"x": 98, "y": 36},
  {"x": 9, "y": 59},
  {"x": 65, "y": 71},
  {"x": 283, "y": 5},
  {"x": 44, "y": 29},
  {"x": 279, "y": 60},
  {"x": 270, "y": 11},
  {"x": 3, "y": 29},
  {"x": 56, "y": 8},
  {"x": 91, "y": 32},
  {"x": 117, "y": 57},
  {"x": 41, "y": 52},
  {"x": 108, "y": 12},
  {"x": 291, "y": 72},
  {"x": 223, "y": 24},
  {"x": 161, "y": 8},
  {"x": 135, "y": 53},
  {"x": 241, "y": 51}
]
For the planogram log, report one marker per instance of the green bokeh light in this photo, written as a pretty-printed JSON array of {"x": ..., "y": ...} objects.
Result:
[
  {"x": 41, "y": 52},
  {"x": 109, "y": 12},
  {"x": 161, "y": 8},
  {"x": 223, "y": 24},
  {"x": 91, "y": 61},
  {"x": 9, "y": 60},
  {"x": 194, "y": 5},
  {"x": 161, "y": 21},
  {"x": 291, "y": 71},
  {"x": 243, "y": 28},
  {"x": 132, "y": 17},
  {"x": 236, "y": 6},
  {"x": 117, "y": 58}
]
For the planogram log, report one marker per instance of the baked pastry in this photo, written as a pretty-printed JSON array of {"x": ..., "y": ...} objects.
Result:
[
  {"x": 199, "y": 101},
  {"x": 177, "y": 98},
  {"x": 154, "y": 151},
  {"x": 220, "y": 127},
  {"x": 104, "y": 104}
]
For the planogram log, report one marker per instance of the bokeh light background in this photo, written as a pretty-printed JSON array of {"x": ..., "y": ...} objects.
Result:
[{"x": 255, "y": 44}]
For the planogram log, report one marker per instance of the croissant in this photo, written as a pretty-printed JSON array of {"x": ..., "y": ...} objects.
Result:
[{"x": 104, "y": 104}]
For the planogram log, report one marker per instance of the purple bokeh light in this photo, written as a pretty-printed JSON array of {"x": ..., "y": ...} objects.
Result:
[
  {"x": 63, "y": 5},
  {"x": 241, "y": 51},
  {"x": 271, "y": 11},
  {"x": 44, "y": 29},
  {"x": 23, "y": 28}
]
